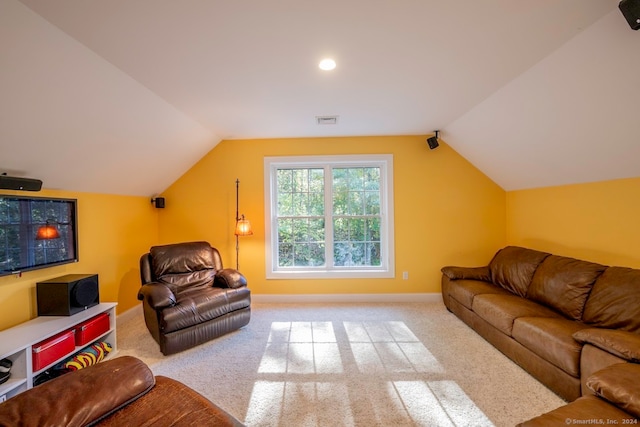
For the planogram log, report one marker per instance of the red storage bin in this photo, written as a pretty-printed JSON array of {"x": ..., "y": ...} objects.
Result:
[
  {"x": 53, "y": 348},
  {"x": 91, "y": 329}
]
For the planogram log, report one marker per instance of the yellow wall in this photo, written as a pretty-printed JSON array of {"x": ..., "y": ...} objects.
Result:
[
  {"x": 446, "y": 211},
  {"x": 598, "y": 221},
  {"x": 113, "y": 232}
]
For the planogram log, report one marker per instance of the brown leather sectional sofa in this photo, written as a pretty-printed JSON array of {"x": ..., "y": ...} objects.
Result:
[
  {"x": 559, "y": 318},
  {"x": 119, "y": 392}
]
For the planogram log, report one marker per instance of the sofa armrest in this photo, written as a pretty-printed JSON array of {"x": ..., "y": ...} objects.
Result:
[
  {"x": 620, "y": 385},
  {"x": 467, "y": 273},
  {"x": 80, "y": 397},
  {"x": 619, "y": 343},
  {"x": 157, "y": 295},
  {"x": 229, "y": 278}
]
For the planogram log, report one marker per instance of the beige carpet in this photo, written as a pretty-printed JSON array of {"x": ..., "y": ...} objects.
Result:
[{"x": 401, "y": 364}]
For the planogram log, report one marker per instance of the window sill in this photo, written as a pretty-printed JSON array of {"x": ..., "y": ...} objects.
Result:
[{"x": 332, "y": 274}]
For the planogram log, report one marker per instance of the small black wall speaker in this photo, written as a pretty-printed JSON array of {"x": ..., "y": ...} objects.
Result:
[
  {"x": 433, "y": 142},
  {"x": 631, "y": 11},
  {"x": 158, "y": 202},
  {"x": 67, "y": 295},
  {"x": 24, "y": 184}
]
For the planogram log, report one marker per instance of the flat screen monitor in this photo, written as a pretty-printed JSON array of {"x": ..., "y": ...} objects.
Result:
[{"x": 37, "y": 232}]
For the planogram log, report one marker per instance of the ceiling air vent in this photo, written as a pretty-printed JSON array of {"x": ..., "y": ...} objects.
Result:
[{"x": 327, "y": 120}]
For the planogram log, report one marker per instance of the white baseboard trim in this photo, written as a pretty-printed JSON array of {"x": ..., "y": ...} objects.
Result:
[
  {"x": 347, "y": 298},
  {"x": 316, "y": 298}
]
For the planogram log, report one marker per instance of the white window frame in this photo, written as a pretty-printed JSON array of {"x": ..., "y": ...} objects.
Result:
[{"x": 387, "y": 245}]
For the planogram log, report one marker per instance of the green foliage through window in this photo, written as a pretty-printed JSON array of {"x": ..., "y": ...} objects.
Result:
[{"x": 353, "y": 195}]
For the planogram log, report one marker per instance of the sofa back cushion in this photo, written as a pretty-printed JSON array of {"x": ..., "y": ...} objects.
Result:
[
  {"x": 564, "y": 284},
  {"x": 512, "y": 268},
  {"x": 614, "y": 302},
  {"x": 183, "y": 265}
]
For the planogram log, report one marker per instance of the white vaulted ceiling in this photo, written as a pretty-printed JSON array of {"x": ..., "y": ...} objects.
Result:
[{"x": 93, "y": 93}]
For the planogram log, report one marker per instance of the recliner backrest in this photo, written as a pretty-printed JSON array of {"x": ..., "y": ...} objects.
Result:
[{"x": 181, "y": 265}]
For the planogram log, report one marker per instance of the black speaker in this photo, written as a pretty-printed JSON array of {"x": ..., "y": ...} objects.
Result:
[
  {"x": 24, "y": 184},
  {"x": 433, "y": 142},
  {"x": 67, "y": 295},
  {"x": 631, "y": 11}
]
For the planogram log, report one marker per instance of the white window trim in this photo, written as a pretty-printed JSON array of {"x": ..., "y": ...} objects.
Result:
[{"x": 385, "y": 162}]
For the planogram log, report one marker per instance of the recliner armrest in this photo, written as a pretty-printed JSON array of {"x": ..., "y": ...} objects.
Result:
[
  {"x": 620, "y": 343},
  {"x": 468, "y": 273},
  {"x": 157, "y": 295},
  {"x": 229, "y": 278}
]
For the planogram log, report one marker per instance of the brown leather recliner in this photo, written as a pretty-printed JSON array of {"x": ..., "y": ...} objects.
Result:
[{"x": 188, "y": 297}]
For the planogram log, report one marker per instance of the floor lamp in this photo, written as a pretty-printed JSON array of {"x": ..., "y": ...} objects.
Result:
[{"x": 243, "y": 226}]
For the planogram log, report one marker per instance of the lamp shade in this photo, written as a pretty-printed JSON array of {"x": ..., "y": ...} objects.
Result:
[
  {"x": 243, "y": 227},
  {"x": 47, "y": 232}
]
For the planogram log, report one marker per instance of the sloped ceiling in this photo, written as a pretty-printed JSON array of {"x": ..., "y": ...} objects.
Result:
[{"x": 124, "y": 96}]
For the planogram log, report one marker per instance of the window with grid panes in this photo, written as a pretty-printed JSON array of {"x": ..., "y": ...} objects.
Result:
[{"x": 329, "y": 216}]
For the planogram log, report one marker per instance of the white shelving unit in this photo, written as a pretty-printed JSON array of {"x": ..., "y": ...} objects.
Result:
[{"x": 16, "y": 344}]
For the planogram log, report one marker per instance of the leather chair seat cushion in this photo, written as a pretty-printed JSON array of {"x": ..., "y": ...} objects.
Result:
[
  {"x": 619, "y": 385},
  {"x": 512, "y": 268},
  {"x": 564, "y": 284},
  {"x": 200, "y": 305},
  {"x": 551, "y": 339},
  {"x": 613, "y": 302},
  {"x": 502, "y": 310},
  {"x": 465, "y": 290},
  {"x": 580, "y": 411}
]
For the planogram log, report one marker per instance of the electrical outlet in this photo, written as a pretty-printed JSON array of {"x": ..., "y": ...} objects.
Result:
[{"x": 405, "y": 275}]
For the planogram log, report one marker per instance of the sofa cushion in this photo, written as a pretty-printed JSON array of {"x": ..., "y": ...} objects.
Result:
[
  {"x": 620, "y": 385},
  {"x": 584, "y": 410},
  {"x": 613, "y": 302},
  {"x": 512, "y": 268},
  {"x": 81, "y": 397},
  {"x": 502, "y": 310},
  {"x": 551, "y": 339},
  {"x": 171, "y": 403},
  {"x": 465, "y": 290},
  {"x": 564, "y": 284}
]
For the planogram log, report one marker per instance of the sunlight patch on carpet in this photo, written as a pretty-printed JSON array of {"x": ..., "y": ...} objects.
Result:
[
  {"x": 295, "y": 351},
  {"x": 299, "y": 403},
  {"x": 389, "y": 347}
]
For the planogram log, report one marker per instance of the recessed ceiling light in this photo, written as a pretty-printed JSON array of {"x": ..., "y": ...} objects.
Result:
[{"x": 327, "y": 64}]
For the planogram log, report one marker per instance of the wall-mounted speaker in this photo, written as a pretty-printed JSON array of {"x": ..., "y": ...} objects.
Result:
[
  {"x": 15, "y": 183},
  {"x": 631, "y": 11},
  {"x": 433, "y": 141},
  {"x": 67, "y": 295},
  {"x": 159, "y": 202}
]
